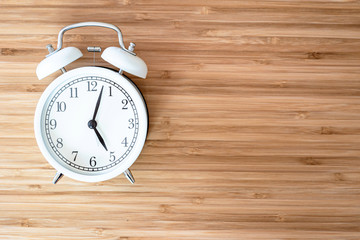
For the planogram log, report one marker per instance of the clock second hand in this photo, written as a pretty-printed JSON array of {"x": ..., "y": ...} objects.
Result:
[{"x": 92, "y": 123}]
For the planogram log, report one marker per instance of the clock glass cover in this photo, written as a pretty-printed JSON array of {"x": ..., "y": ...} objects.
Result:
[{"x": 92, "y": 123}]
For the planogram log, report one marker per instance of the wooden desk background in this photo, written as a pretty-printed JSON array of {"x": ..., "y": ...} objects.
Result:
[{"x": 254, "y": 122}]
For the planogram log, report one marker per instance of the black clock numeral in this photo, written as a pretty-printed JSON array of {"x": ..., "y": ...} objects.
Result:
[
  {"x": 112, "y": 157},
  {"x": 61, "y": 106},
  {"x": 59, "y": 143},
  {"x": 125, "y": 142},
  {"x": 73, "y": 93},
  {"x": 125, "y": 102},
  {"x": 110, "y": 92},
  {"x": 92, "y": 161},
  {"x": 76, "y": 153},
  {"x": 53, "y": 124},
  {"x": 92, "y": 86},
  {"x": 131, "y": 123}
]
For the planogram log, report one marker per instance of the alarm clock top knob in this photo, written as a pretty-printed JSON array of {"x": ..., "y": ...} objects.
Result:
[{"x": 131, "y": 47}]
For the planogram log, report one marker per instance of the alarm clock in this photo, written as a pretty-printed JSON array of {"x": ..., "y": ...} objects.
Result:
[{"x": 91, "y": 122}]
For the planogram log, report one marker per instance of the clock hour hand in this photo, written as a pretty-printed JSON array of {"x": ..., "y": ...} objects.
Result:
[
  {"x": 92, "y": 125},
  {"x": 100, "y": 138}
]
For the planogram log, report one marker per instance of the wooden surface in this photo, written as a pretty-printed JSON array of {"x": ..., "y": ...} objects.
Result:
[{"x": 254, "y": 122}]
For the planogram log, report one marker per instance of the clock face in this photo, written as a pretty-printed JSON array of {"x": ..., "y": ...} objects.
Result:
[{"x": 91, "y": 123}]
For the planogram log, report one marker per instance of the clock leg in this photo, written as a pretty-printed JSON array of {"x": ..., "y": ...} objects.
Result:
[
  {"x": 57, "y": 177},
  {"x": 129, "y": 176}
]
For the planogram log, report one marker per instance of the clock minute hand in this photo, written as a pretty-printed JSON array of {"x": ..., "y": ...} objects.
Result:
[{"x": 98, "y": 103}]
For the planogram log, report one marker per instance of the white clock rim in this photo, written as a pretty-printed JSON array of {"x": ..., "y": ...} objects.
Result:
[{"x": 137, "y": 98}]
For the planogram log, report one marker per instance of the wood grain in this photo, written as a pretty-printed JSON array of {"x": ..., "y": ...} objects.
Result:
[{"x": 254, "y": 121}]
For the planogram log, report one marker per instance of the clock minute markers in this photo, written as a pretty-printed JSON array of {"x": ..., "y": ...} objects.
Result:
[{"x": 92, "y": 123}]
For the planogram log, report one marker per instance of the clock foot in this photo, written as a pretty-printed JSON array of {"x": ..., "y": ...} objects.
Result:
[
  {"x": 57, "y": 177},
  {"x": 129, "y": 176}
]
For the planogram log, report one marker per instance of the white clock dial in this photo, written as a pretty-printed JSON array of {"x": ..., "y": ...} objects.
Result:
[{"x": 84, "y": 147}]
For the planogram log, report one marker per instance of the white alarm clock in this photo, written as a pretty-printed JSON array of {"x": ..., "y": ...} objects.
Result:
[{"x": 91, "y": 122}]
